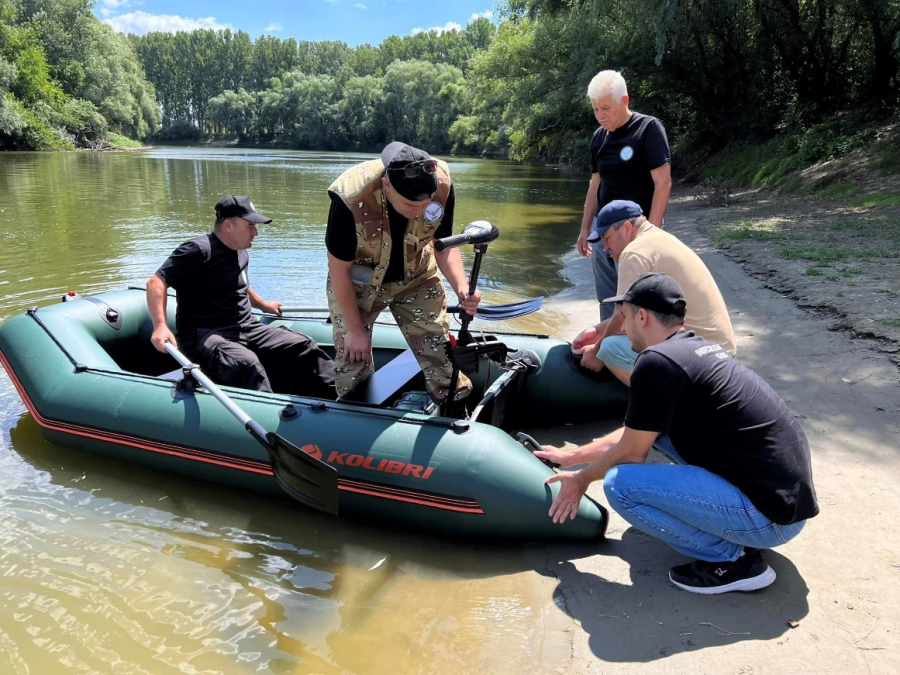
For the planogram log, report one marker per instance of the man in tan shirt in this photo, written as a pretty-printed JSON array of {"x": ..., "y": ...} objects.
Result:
[{"x": 638, "y": 246}]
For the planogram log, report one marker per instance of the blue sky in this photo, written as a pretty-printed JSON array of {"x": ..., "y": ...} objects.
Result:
[{"x": 353, "y": 21}]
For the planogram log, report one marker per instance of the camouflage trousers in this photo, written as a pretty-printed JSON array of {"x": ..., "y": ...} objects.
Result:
[{"x": 420, "y": 309}]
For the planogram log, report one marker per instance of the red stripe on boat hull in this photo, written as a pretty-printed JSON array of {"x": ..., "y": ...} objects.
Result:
[{"x": 433, "y": 500}]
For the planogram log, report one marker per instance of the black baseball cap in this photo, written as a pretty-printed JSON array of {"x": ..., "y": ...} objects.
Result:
[
  {"x": 235, "y": 206},
  {"x": 399, "y": 155},
  {"x": 614, "y": 212},
  {"x": 655, "y": 291}
]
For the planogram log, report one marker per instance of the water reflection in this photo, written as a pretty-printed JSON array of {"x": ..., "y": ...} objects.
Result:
[
  {"x": 108, "y": 567},
  {"x": 112, "y": 567},
  {"x": 101, "y": 221}
]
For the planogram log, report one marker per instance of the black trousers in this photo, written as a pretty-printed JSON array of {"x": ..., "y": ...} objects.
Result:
[{"x": 264, "y": 358}]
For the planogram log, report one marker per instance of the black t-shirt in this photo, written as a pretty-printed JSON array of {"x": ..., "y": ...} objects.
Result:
[
  {"x": 211, "y": 282},
  {"x": 721, "y": 416},
  {"x": 625, "y": 157},
  {"x": 340, "y": 235}
]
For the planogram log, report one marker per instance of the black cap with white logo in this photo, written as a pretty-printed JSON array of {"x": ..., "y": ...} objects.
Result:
[
  {"x": 410, "y": 171},
  {"x": 654, "y": 291},
  {"x": 235, "y": 206}
]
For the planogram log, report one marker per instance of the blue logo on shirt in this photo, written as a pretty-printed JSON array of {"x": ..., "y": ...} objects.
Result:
[{"x": 626, "y": 153}]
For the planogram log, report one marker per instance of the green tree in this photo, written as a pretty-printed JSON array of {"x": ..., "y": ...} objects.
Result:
[{"x": 234, "y": 112}]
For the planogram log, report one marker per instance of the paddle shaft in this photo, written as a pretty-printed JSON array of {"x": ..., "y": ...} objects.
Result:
[
  {"x": 305, "y": 478},
  {"x": 511, "y": 310}
]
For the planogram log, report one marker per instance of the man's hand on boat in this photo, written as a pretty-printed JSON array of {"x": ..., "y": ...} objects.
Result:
[
  {"x": 358, "y": 346},
  {"x": 271, "y": 307},
  {"x": 584, "y": 454},
  {"x": 586, "y": 345},
  {"x": 267, "y": 306},
  {"x": 564, "y": 458},
  {"x": 571, "y": 490},
  {"x": 589, "y": 336},
  {"x": 162, "y": 335}
]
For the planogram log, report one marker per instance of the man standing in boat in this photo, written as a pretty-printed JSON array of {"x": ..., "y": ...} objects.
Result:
[
  {"x": 384, "y": 215},
  {"x": 741, "y": 480},
  {"x": 214, "y": 322}
]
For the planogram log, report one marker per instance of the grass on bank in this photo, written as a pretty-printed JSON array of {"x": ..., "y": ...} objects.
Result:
[
  {"x": 119, "y": 141},
  {"x": 877, "y": 200},
  {"x": 889, "y": 158},
  {"x": 772, "y": 162},
  {"x": 829, "y": 255},
  {"x": 778, "y": 161},
  {"x": 747, "y": 229}
]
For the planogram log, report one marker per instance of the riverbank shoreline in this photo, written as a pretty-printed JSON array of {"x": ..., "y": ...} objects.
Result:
[{"x": 839, "y": 579}]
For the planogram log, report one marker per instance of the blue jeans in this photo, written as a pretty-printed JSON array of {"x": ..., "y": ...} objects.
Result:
[
  {"x": 606, "y": 278},
  {"x": 616, "y": 351},
  {"x": 695, "y": 511}
]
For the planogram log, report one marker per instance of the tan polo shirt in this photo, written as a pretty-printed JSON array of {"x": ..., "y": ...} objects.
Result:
[{"x": 654, "y": 250}]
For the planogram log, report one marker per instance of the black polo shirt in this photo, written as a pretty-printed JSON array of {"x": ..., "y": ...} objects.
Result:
[
  {"x": 211, "y": 283},
  {"x": 625, "y": 157},
  {"x": 721, "y": 416}
]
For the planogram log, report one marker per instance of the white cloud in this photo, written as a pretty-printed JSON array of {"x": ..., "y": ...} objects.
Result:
[
  {"x": 359, "y": 5},
  {"x": 450, "y": 25},
  {"x": 273, "y": 28},
  {"x": 486, "y": 14},
  {"x": 142, "y": 22},
  {"x": 110, "y": 6}
]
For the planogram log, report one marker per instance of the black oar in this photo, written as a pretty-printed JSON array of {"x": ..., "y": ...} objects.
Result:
[
  {"x": 501, "y": 312},
  {"x": 302, "y": 476},
  {"x": 487, "y": 312}
]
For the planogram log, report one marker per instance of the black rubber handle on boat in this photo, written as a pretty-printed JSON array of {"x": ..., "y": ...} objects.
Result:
[{"x": 532, "y": 445}]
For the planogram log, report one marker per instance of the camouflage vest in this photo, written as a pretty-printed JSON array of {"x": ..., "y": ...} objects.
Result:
[{"x": 360, "y": 189}]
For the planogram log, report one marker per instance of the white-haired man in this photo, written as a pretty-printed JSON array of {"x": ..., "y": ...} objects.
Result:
[{"x": 630, "y": 159}]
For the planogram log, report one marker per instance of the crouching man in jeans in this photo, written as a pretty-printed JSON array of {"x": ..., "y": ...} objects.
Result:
[{"x": 742, "y": 479}]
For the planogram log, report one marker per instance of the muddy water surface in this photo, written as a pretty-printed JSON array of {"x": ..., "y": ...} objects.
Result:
[{"x": 108, "y": 568}]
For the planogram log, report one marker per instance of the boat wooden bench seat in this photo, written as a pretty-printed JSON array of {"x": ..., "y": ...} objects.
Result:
[{"x": 387, "y": 382}]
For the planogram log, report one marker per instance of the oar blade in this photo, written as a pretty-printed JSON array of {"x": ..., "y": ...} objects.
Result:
[
  {"x": 501, "y": 312},
  {"x": 510, "y": 311},
  {"x": 305, "y": 478}
]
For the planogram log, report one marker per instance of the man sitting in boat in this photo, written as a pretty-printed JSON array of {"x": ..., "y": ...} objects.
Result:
[
  {"x": 214, "y": 322},
  {"x": 638, "y": 247},
  {"x": 742, "y": 479},
  {"x": 384, "y": 215}
]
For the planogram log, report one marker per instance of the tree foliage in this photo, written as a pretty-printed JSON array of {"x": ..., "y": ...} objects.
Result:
[
  {"x": 66, "y": 79},
  {"x": 303, "y": 94},
  {"x": 716, "y": 72}
]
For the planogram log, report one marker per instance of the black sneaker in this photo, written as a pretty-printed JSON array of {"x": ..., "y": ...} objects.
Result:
[{"x": 748, "y": 573}]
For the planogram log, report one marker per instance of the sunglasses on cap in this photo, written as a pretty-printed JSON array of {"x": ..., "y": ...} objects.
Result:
[{"x": 413, "y": 169}]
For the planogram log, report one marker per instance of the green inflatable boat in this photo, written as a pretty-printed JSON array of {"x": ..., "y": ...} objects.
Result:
[{"x": 90, "y": 377}]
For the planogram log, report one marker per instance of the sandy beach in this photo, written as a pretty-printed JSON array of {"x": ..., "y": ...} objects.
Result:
[{"x": 610, "y": 608}]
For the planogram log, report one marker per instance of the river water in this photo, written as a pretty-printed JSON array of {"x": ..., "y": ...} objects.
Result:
[{"x": 106, "y": 568}]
